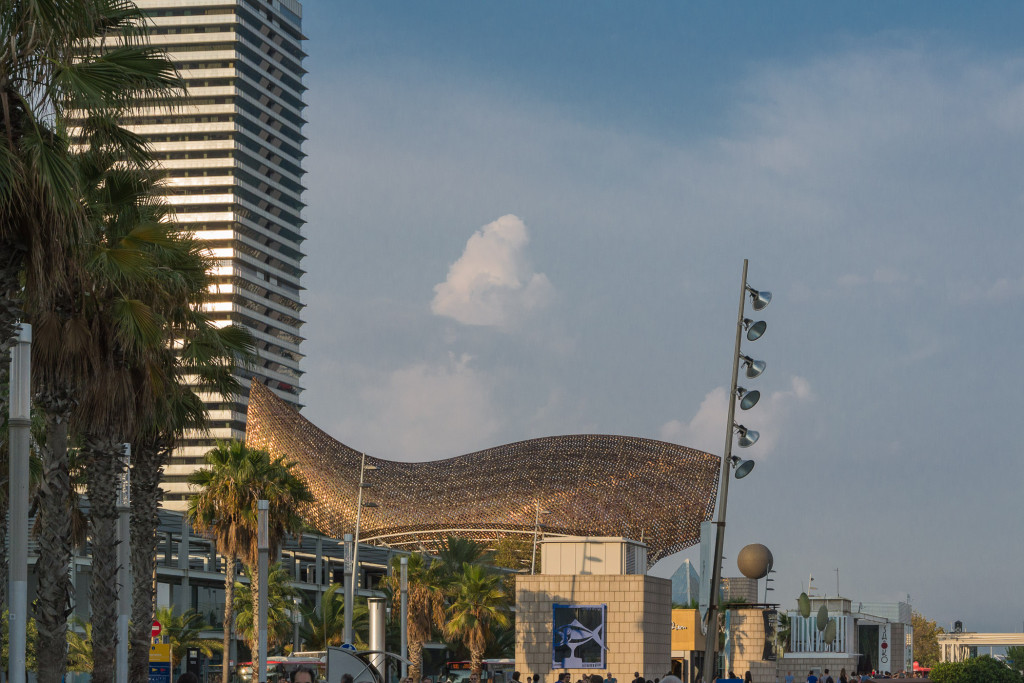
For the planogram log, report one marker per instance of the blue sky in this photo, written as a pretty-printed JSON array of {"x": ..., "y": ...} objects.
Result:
[{"x": 529, "y": 219}]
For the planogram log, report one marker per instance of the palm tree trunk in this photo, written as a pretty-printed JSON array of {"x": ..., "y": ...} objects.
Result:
[
  {"x": 54, "y": 510},
  {"x": 254, "y": 578},
  {"x": 103, "y": 467},
  {"x": 229, "y": 613},
  {"x": 146, "y": 467},
  {"x": 476, "y": 661},
  {"x": 415, "y": 658}
]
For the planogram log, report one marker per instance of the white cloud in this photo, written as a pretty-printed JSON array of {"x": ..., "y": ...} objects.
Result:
[
  {"x": 770, "y": 417},
  {"x": 882, "y": 276},
  {"x": 491, "y": 284},
  {"x": 424, "y": 412}
]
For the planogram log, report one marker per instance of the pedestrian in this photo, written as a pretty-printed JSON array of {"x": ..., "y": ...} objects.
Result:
[
  {"x": 828, "y": 678},
  {"x": 515, "y": 676},
  {"x": 842, "y": 676},
  {"x": 811, "y": 678},
  {"x": 302, "y": 674},
  {"x": 789, "y": 677},
  {"x": 747, "y": 678}
]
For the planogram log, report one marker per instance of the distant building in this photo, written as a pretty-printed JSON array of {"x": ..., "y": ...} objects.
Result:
[
  {"x": 685, "y": 584},
  {"x": 870, "y": 636},
  {"x": 232, "y": 153}
]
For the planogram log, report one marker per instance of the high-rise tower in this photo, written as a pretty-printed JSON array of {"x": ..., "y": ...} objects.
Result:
[{"x": 233, "y": 157}]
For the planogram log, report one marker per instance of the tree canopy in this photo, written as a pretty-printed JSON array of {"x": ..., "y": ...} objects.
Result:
[
  {"x": 983, "y": 669},
  {"x": 926, "y": 643}
]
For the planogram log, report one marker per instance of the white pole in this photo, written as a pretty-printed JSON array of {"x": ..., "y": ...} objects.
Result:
[
  {"x": 350, "y": 583},
  {"x": 377, "y": 617},
  {"x": 124, "y": 572},
  {"x": 18, "y": 435},
  {"x": 536, "y": 530},
  {"x": 263, "y": 545},
  {"x": 404, "y": 587}
]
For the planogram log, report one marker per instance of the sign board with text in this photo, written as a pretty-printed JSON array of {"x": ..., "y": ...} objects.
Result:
[
  {"x": 160, "y": 663},
  {"x": 687, "y": 635}
]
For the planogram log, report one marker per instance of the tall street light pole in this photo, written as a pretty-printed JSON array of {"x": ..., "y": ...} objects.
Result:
[
  {"x": 350, "y": 584},
  {"x": 404, "y": 588},
  {"x": 747, "y": 438},
  {"x": 19, "y": 423},
  {"x": 263, "y": 545}
]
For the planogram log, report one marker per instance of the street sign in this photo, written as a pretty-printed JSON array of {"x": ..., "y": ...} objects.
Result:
[
  {"x": 157, "y": 628},
  {"x": 159, "y": 662}
]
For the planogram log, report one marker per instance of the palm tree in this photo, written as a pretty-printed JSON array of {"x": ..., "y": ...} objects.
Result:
[
  {"x": 456, "y": 551},
  {"x": 184, "y": 631},
  {"x": 426, "y": 604},
  {"x": 280, "y": 604},
  {"x": 60, "y": 58},
  {"x": 478, "y": 605},
  {"x": 225, "y": 507},
  {"x": 167, "y": 406},
  {"x": 783, "y": 630},
  {"x": 325, "y": 626},
  {"x": 79, "y": 646}
]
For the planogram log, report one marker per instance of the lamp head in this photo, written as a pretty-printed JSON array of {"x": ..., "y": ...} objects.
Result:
[
  {"x": 748, "y": 437},
  {"x": 748, "y": 399},
  {"x": 741, "y": 466},
  {"x": 754, "y": 330},
  {"x": 754, "y": 367},
  {"x": 370, "y": 504},
  {"x": 759, "y": 299},
  {"x": 369, "y": 467}
]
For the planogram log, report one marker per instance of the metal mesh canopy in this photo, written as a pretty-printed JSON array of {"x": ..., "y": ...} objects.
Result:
[{"x": 589, "y": 485}]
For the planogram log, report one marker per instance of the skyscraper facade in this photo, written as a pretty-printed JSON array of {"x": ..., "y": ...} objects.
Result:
[{"x": 233, "y": 159}]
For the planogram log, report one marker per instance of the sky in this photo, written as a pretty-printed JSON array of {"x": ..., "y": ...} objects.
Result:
[{"x": 530, "y": 218}]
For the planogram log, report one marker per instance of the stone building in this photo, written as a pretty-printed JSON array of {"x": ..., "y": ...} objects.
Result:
[{"x": 606, "y": 576}]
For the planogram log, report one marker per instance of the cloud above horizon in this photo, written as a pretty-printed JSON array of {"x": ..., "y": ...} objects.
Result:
[
  {"x": 492, "y": 284},
  {"x": 704, "y": 430},
  {"x": 420, "y": 411}
]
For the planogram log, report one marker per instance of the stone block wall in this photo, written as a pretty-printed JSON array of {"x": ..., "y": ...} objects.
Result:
[{"x": 639, "y": 622}]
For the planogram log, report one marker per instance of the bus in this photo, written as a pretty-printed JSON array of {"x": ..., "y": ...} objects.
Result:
[
  {"x": 493, "y": 671},
  {"x": 279, "y": 669}
]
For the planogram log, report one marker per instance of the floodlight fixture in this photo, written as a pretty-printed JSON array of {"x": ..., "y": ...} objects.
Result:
[
  {"x": 741, "y": 466},
  {"x": 370, "y": 504},
  {"x": 754, "y": 367},
  {"x": 748, "y": 437},
  {"x": 748, "y": 399},
  {"x": 754, "y": 330},
  {"x": 759, "y": 299}
]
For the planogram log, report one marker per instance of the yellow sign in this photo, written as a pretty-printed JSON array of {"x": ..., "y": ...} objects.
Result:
[
  {"x": 686, "y": 633},
  {"x": 160, "y": 652}
]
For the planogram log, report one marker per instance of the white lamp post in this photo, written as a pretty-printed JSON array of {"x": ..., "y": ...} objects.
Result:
[
  {"x": 263, "y": 545},
  {"x": 19, "y": 423},
  {"x": 350, "y": 586}
]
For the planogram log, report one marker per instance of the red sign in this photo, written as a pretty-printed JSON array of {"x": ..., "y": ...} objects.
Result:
[{"x": 156, "y": 629}]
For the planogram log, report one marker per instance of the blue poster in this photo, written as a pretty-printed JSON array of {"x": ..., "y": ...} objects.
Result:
[
  {"x": 578, "y": 637},
  {"x": 159, "y": 672}
]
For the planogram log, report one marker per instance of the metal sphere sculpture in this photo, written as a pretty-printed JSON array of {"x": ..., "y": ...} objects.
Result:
[{"x": 755, "y": 561}]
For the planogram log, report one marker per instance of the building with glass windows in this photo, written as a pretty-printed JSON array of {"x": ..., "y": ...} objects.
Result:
[{"x": 233, "y": 158}]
